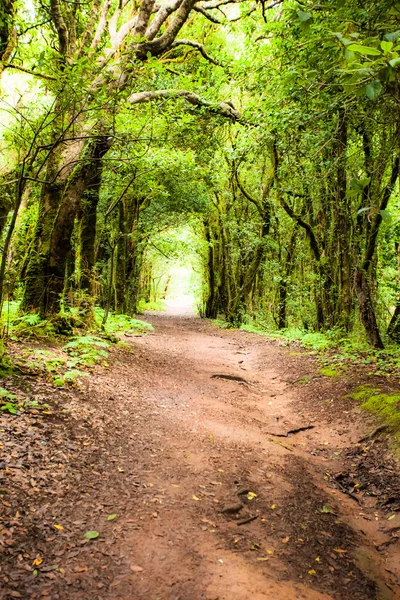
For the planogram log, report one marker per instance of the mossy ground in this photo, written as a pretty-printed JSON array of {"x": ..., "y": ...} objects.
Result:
[
  {"x": 384, "y": 405},
  {"x": 329, "y": 372}
]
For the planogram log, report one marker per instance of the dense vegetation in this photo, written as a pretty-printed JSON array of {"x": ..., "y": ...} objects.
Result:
[{"x": 267, "y": 131}]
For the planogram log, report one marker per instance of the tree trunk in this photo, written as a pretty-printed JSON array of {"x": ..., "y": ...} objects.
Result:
[
  {"x": 367, "y": 311},
  {"x": 59, "y": 206}
]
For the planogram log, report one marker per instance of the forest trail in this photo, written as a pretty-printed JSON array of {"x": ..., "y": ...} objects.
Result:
[{"x": 170, "y": 448}]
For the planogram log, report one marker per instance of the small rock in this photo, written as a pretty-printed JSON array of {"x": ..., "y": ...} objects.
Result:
[{"x": 232, "y": 509}]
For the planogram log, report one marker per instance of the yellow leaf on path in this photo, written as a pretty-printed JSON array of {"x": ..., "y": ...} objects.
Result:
[
  {"x": 285, "y": 540},
  {"x": 38, "y": 561},
  {"x": 273, "y": 507},
  {"x": 209, "y": 522},
  {"x": 270, "y": 552},
  {"x": 81, "y": 569},
  {"x": 121, "y": 470},
  {"x": 339, "y": 550},
  {"x": 221, "y": 471},
  {"x": 174, "y": 485},
  {"x": 196, "y": 498},
  {"x": 59, "y": 527},
  {"x": 251, "y": 496},
  {"x": 312, "y": 572},
  {"x": 263, "y": 558},
  {"x": 318, "y": 559},
  {"x": 136, "y": 569}
]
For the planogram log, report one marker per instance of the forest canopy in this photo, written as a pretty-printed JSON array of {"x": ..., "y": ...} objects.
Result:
[{"x": 268, "y": 131}]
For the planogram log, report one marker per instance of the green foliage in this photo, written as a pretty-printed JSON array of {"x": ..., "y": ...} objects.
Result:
[
  {"x": 87, "y": 350},
  {"x": 156, "y": 305},
  {"x": 31, "y": 326},
  {"x": 122, "y": 323}
]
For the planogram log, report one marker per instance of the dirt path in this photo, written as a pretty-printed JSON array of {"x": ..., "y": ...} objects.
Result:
[{"x": 173, "y": 450}]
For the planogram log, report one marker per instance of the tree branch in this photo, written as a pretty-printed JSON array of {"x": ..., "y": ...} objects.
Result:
[
  {"x": 161, "y": 16},
  {"x": 145, "y": 12},
  {"x": 34, "y": 73},
  {"x": 221, "y": 108},
  {"x": 161, "y": 44},
  {"x": 207, "y": 15},
  {"x": 198, "y": 47},
  {"x": 371, "y": 243},
  {"x": 62, "y": 31}
]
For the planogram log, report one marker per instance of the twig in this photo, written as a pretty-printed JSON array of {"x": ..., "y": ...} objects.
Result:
[
  {"x": 292, "y": 431},
  {"x": 248, "y": 520},
  {"x": 230, "y": 377}
]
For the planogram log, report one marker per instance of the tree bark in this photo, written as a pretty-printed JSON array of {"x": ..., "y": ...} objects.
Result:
[{"x": 367, "y": 312}]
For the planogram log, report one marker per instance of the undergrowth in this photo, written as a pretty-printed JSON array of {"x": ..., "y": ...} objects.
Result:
[
  {"x": 79, "y": 351},
  {"x": 337, "y": 351},
  {"x": 153, "y": 305}
]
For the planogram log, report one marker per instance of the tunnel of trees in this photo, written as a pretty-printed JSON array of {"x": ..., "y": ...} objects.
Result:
[{"x": 267, "y": 130}]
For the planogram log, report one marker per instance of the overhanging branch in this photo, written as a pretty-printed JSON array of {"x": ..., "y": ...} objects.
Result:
[
  {"x": 221, "y": 108},
  {"x": 198, "y": 47}
]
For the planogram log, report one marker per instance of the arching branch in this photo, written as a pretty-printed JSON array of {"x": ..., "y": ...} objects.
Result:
[
  {"x": 198, "y": 47},
  {"x": 207, "y": 15},
  {"x": 220, "y": 108}
]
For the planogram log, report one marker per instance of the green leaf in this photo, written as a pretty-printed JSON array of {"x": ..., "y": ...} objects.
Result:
[
  {"x": 367, "y": 50},
  {"x": 395, "y": 62},
  {"x": 386, "y": 46},
  {"x": 386, "y": 216},
  {"x": 392, "y": 37},
  {"x": 303, "y": 16},
  {"x": 9, "y": 407},
  {"x": 112, "y": 517},
  {"x": 362, "y": 210},
  {"x": 373, "y": 90},
  {"x": 325, "y": 509},
  {"x": 91, "y": 535}
]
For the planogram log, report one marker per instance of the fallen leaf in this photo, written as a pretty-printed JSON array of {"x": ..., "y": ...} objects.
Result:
[
  {"x": 251, "y": 496},
  {"x": 312, "y": 572},
  {"x": 208, "y": 522},
  {"x": 325, "y": 509},
  {"x": 339, "y": 550},
  {"x": 221, "y": 471},
  {"x": 263, "y": 558},
  {"x": 196, "y": 498},
  {"x": 318, "y": 559},
  {"x": 285, "y": 540},
  {"x": 273, "y": 507},
  {"x": 174, "y": 485},
  {"x": 38, "y": 561},
  {"x": 112, "y": 517},
  {"x": 59, "y": 527},
  {"x": 136, "y": 569},
  {"x": 91, "y": 535},
  {"x": 391, "y": 517},
  {"x": 270, "y": 552},
  {"x": 81, "y": 569}
]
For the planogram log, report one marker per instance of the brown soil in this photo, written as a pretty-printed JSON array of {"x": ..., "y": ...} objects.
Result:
[{"x": 173, "y": 451}]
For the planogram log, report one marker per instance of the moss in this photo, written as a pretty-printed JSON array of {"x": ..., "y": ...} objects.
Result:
[
  {"x": 386, "y": 406},
  {"x": 329, "y": 372},
  {"x": 363, "y": 392}
]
